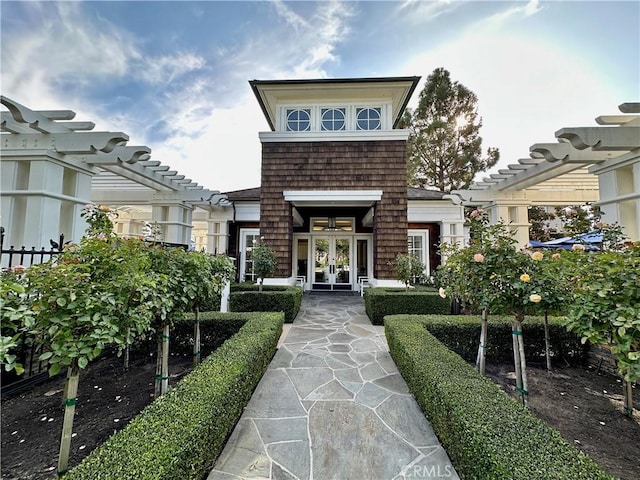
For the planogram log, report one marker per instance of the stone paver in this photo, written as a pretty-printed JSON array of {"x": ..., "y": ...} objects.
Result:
[{"x": 332, "y": 405}]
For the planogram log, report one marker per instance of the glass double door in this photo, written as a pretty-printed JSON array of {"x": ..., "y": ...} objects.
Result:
[{"x": 332, "y": 262}]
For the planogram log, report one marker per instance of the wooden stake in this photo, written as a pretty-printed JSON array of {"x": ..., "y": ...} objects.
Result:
[
  {"x": 523, "y": 365},
  {"x": 196, "y": 338},
  {"x": 71, "y": 391},
  {"x": 165, "y": 359},
  {"x": 482, "y": 353},
  {"x": 516, "y": 356},
  {"x": 628, "y": 398},
  {"x": 158, "y": 382},
  {"x": 547, "y": 341}
]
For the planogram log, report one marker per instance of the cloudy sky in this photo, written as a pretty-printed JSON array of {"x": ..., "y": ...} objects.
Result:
[{"x": 174, "y": 75}]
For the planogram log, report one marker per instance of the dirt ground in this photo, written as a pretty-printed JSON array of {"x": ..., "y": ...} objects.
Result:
[
  {"x": 586, "y": 408},
  {"x": 108, "y": 398}
]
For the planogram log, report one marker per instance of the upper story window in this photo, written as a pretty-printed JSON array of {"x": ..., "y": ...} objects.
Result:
[
  {"x": 368, "y": 119},
  {"x": 333, "y": 119},
  {"x": 298, "y": 120}
]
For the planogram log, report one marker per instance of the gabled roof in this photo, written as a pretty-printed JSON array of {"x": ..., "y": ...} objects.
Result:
[
  {"x": 423, "y": 194},
  {"x": 269, "y": 92}
]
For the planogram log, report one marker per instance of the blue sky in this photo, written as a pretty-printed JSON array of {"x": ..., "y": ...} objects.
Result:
[{"x": 174, "y": 75}]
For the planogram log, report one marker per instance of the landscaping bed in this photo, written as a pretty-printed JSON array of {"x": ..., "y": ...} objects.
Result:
[
  {"x": 108, "y": 399},
  {"x": 489, "y": 435},
  {"x": 586, "y": 408}
]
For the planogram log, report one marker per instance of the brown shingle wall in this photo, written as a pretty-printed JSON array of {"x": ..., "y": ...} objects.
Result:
[{"x": 336, "y": 166}]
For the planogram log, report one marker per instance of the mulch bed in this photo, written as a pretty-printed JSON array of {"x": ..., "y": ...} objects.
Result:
[
  {"x": 108, "y": 398},
  {"x": 587, "y": 409}
]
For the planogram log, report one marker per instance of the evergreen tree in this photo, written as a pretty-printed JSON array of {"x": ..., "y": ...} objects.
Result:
[{"x": 444, "y": 149}]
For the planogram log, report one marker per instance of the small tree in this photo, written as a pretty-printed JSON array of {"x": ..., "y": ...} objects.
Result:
[
  {"x": 16, "y": 316},
  {"x": 539, "y": 220},
  {"x": 407, "y": 268},
  {"x": 264, "y": 262},
  {"x": 606, "y": 308}
]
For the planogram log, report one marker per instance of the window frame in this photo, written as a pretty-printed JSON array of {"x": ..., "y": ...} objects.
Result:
[{"x": 424, "y": 234}]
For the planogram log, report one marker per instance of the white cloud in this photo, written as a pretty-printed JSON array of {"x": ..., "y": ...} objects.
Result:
[
  {"x": 420, "y": 12},
  {"x": 227, "y": 156},
  {"x": 527, "y": 87}
]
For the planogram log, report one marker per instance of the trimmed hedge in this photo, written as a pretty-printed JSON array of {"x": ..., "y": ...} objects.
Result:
[
  {"x": 461, "y": 333},
  {"x": 246, "y": 298},
  {"x": 487, "y": 434},
  {"x": 180, "y": 435},
  {"x": 215, "y": 329},
  {"x": 380, "y": 302}
]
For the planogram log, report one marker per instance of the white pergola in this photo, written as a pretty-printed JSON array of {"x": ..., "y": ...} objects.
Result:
[
  {"x": 52, "y": 167},
  {"x": 598, "y": 165}
]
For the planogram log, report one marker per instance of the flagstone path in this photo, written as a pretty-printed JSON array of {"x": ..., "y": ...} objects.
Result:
[{"x": 332, "y": 405}]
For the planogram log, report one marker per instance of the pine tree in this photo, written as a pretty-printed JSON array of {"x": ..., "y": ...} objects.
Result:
[{"x": 444, "y": 149}]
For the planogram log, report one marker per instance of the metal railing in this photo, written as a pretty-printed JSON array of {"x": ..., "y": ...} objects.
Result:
[{"x": 12, "y": 256}]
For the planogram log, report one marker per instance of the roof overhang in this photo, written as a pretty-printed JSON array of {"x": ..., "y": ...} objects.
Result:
[
  {"x": 338, "y": 198},
  {"x": 271, "y": 92}
]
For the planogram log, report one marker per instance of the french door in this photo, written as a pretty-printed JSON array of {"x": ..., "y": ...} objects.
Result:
[{"x": 332, "y": 262}]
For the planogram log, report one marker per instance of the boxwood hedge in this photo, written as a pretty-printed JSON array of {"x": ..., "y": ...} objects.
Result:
[
  {"x": 380, "y": 302},
  {"x": 486, "y": 433},
  {"x": 180, "y": 434},
  {"x": 246, "y": 298},
  {"x": 461, "y": 334}
]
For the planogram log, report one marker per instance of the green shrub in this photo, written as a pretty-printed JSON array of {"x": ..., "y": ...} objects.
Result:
[
  {"x": 486, "y": 433},
  {"x": 461, "y": 333},
  {"x": 215, "y": 329},
  {"x": 180, "y": 435},
  {"x": 272, "y": 299},
  {"x": 380, "y": 302}
]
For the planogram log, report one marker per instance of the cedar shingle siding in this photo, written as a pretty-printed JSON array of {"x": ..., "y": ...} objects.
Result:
[{"x": 336, "y": 166}]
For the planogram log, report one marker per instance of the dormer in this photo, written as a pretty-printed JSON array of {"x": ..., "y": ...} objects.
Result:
[{"x": 332, "y": 109}]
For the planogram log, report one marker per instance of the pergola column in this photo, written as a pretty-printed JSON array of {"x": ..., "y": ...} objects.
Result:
[
  {"x": 42, "y": 197},
  {"x": 174, "y": 219}
]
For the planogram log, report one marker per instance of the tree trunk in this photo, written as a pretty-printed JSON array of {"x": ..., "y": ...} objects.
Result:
[
  {"x": 165, "y": 359},
  {"x": 71, "y": 391},
  {"x": 628, "y": 398},
  {"x": 482, "y": 348},
  {"x": 127, "y": 351},
  {"x": 547, "y": 341},
  {"x": 260, "y": 280},
  {"x": 524, "y": 389},
  {"x": 196, "y": 337}
]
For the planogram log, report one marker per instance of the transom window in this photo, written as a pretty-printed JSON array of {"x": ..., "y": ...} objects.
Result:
[
  {"x": 298, "y": 120},
  {"x": 333, "y": 119},
  {"x": 368, "y": 119}
]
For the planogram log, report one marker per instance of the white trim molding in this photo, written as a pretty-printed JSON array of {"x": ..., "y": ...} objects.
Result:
[
  {"x": 336, "y": 136},
  {"x": 332, "y": 197}
]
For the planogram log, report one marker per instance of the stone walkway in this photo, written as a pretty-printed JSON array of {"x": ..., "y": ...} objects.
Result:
[{"x": 332, "y": 405}]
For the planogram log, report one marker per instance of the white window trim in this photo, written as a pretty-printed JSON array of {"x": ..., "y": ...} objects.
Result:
[
  {"x": 386, "y": 122},
  {"x": 425, "y": 246},
  {"x": 244, "y": 232}
]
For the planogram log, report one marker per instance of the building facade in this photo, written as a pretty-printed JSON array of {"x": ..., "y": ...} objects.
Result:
[{"x": 333, "y": 202}]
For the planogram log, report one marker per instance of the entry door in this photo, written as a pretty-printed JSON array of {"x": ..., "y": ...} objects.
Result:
[{"x": 332, "y": 263}]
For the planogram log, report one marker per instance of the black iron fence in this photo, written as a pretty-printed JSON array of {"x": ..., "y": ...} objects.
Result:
[{"x": 12, "y": 256}]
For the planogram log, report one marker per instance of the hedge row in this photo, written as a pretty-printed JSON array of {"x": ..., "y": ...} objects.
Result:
[
  {"x": 380, "y": 302},
  {"x": 215, "y": 329},
  {"x": 487, "y": 434},
  {"x": 246, "y": 298},
  {"x": 461, "y": 333},
  {"x": 180, "y": 435}
]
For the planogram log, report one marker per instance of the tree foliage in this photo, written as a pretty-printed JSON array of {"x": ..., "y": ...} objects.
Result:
[
  {"x": 444, "y": 149},
  {"x": 407, "y": 268},
  {"x": 264, "y": 261}
]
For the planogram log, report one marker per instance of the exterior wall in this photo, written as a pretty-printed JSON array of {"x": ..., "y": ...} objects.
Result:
[{"x": 353, "y": 165}]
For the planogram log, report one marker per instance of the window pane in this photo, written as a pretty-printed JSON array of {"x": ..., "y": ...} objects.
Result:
[
  {"x": 333, "y": 119},
  {"x": 298, "y": 120},
  {"x": 368, "y": 119}
]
